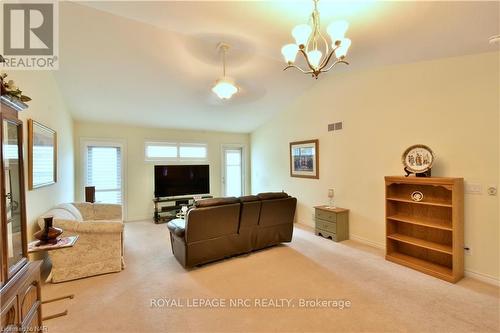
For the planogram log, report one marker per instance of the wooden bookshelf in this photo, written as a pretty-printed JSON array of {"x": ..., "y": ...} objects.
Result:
[{"x": 426, "y": 235}]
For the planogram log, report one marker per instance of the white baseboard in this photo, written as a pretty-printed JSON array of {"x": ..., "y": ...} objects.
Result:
[
  {"x": 367, "y": 242},
  {"x": 468, "y": 273},
  {"x": 483, "y": 277}
]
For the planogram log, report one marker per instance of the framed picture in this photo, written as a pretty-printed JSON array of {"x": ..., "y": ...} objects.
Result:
[
  {"x": 304, "y": 159},
  {"x": 42, "y": 155}
]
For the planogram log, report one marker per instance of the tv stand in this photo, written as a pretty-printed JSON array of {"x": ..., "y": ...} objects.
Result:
[{"x": 166, "y": 208}]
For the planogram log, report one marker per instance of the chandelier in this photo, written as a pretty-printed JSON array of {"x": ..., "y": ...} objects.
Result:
[
  {"x": 224, "y": 87},
  {"x": 309, "y": 41}
]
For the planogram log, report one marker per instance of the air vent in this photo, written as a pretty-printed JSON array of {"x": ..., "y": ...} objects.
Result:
[{"x": 335, "y": 126}]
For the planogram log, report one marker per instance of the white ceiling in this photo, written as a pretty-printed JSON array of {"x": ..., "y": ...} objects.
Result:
[{"x": 153, "y": 63}]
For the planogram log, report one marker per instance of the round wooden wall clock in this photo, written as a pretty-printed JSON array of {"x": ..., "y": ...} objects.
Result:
[{"x": 418, "y": 159}]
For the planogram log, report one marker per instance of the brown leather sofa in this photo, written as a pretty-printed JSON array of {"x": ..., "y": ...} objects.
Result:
[{"x": 223, "y": 227}]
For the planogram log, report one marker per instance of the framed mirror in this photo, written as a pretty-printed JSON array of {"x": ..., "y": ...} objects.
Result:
[
  {"x": 42, "y": 155},
  {"x": 13, "y": 202}
]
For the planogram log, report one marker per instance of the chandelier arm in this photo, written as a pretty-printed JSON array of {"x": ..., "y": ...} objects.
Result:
[
  {"x": 297, "y": 67},
  {"x": 327, "y": 59},
  {"x": 327, "y": 48},
  {"x": 335, "y": 63}
]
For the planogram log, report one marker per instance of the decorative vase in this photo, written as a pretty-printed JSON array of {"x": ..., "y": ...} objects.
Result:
[{"x": 49, "y": 234}]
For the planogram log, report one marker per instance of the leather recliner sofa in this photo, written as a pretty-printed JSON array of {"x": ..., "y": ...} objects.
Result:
[{"x": 223, "y": 227}]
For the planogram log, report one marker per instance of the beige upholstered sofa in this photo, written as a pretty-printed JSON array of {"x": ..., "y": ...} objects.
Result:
[{"x": 99, "y": 248}]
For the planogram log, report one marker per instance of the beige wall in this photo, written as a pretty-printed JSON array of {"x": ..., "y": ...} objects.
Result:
[
  {"x": 452, "y": 105},
  {"x": 139, "y": 180},
  {"x": 48, "y": 108}
]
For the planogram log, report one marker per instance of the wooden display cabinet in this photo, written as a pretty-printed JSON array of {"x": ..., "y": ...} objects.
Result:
[
  {"x": 20, "y": 294},
  {"x": 426, "y": 235}
]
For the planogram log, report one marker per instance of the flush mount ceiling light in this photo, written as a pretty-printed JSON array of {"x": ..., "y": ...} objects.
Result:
[
  {"x": 224, "y": 87},
  {"x": 308, "y": 39},
  {"x": 494, "y": 39}
]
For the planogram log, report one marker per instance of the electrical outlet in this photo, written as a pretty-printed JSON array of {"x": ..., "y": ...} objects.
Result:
[
  {"x": 473, "y": 189},
  {"x": 467, "y": 251},
  {"x": 492, "y": 190}
]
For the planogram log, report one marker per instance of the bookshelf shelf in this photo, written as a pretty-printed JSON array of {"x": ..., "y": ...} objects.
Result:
[
  {"x": 426, "y": 235},
  {"x": 423, "y": 221},
  {"x": 439, "y": 204},
  {"x": 421, "y": 243},
  {"x": 419, "y": 264}
]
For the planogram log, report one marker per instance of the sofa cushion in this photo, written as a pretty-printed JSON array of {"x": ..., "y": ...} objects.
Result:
[
  {"x": 216, "y": 202},
  {"x": 272, "y": 195},
  {"x": 86, "y": 209},
  {"x": 72, "y": 209},
  {"x": 249, "y": 198},
  {"x": 177, "y": 227},
  {"x": 109, "y": 212}
]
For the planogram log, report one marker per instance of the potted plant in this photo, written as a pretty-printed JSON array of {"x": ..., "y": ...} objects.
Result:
[{"x": 9, "y": 89}]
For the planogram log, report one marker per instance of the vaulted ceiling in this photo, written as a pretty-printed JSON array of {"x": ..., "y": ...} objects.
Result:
[{"x": 154, "y": 63}]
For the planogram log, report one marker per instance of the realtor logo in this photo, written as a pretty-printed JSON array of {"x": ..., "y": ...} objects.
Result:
[{"x": 30, "y": 35}]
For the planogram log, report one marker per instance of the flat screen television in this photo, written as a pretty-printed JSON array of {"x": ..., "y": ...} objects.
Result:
[{"x": 177, "y": 180}]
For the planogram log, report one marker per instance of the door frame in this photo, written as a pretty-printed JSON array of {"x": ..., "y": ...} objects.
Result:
[
  {"x": 244, "y": 173},
  {"x": 84, "y": 143}
]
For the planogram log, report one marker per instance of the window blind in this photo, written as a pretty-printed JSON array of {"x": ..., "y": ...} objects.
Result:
[
  {"x": 43, "y": 170},
  {"x": 104, "y": 171}
]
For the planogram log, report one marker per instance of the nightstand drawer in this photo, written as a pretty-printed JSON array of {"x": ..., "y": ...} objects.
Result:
[
  {"x": 324, "y": 215},
  {"x": 325, "y": 225}
]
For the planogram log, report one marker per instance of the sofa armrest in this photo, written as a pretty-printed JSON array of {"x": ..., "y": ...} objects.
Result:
[{"x": 107, "y": 212}]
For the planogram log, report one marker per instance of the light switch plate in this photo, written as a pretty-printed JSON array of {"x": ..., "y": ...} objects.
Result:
[{"x": 473, "y": 189}]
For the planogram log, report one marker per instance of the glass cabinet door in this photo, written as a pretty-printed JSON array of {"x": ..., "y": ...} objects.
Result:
[{"x": 12, "y": 169}]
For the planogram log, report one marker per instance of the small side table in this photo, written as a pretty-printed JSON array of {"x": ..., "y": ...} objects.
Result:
[
  {"x": 332, "y": 222},
  {"x": 63, "y": 242}
]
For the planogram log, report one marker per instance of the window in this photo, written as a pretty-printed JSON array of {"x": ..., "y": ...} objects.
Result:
[
  {"x": 104, "y": 171},
  {"x": 233, "y": 175},
  {"x": 196, "y": 151},
  {"x": 162, "y": 151}
]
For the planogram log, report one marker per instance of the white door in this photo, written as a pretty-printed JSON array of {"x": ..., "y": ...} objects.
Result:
[
  {"x": 232, "y": 178},
  {"x": 104, "y": 170}
]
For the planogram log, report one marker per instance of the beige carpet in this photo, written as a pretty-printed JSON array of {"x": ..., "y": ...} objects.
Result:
[{"x": 385, "y": 297}]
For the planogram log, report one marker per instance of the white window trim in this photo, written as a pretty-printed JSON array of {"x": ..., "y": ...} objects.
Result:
[
  {"x": 84, "y": 143},
  {"x": 243, "y": 166},
  {"x": 178, "y": 158}
]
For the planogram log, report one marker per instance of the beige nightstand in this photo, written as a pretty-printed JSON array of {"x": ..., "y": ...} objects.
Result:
[{"x": 332, "y": 222}]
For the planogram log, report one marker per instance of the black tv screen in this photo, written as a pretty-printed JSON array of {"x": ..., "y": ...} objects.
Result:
[{"x": 175, "y": 180}]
